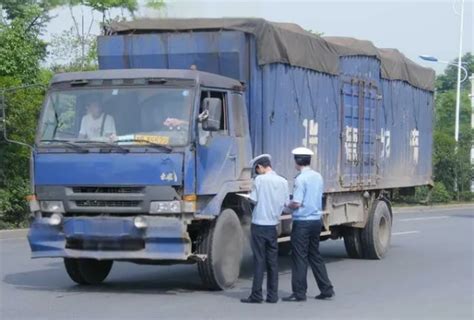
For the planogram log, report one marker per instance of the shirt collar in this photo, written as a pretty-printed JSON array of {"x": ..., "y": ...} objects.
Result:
[
  {"x": 99, "y": 118},
  {"x": 305, "y": 169},
  {"x": 271, "y": 172}
]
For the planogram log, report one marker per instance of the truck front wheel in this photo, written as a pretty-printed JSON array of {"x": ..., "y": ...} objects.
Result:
[
  {"x": 87, "y": 271},
  {"x": 377, "y": 233},
  {"x": 222, "y": 242}
]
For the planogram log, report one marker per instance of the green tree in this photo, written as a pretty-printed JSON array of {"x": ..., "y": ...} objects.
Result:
[
  {"x": 104, "y": 6},
  {"x": 34, "y": 13},
  {"x": 71, "y": 51},
  {"x": 448, "y": 80},
  {"x": 21, "y": 52},
  {"x": 451, "y": 163},
  {"x": 444, "y": 159},
  {"x": 78, "y": 45}
]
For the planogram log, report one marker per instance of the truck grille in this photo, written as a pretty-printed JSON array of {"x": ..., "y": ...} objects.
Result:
[
  {"x": 105, "y": 244},
  {"x": 108, "y": 203},
  {"x": 107, "y": 189}
]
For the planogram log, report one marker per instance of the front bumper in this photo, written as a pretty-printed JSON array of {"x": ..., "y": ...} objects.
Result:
[{"x": 116, "y": 238}]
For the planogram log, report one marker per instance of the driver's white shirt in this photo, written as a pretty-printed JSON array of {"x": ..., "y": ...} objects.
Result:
[{"x": 91, "y": 128}]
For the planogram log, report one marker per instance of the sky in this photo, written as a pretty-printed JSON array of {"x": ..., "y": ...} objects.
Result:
[{"x": 414, "y": 27}]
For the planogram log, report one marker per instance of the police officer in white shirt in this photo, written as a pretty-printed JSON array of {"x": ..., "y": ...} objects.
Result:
[
  {"x": 307, "y": 206},
  {"x": 270, "y": 194},
  {"x": 96, "y": 124}
]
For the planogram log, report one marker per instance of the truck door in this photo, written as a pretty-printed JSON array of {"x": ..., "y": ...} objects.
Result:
[
  {"x": 216, "y": 151},
  {"x": 239, "y": 129},
  {"x": 359, "y": 104}
]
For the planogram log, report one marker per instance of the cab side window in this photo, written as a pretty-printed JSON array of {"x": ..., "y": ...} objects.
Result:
[{"x": 239, "y": 114}]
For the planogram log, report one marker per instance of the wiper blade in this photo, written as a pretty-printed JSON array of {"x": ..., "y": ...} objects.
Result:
[
  {"x": 67, "y": 143},
  {"x": 109, "y": 144},
  {"x": 149, "y": 143}
]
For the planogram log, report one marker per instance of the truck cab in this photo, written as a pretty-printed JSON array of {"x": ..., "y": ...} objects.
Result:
[{"x": 134, "y": 164}]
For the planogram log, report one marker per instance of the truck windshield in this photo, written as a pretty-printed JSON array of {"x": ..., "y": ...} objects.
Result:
[{"x": 123, "y": 116}]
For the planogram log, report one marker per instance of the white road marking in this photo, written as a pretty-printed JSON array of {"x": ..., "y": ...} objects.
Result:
[
  {"x": 404, "y": 232},
  {"x": 424, "y": 218}
]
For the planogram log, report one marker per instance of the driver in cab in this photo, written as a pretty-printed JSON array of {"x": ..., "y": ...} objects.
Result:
[{"x": 96, "y": 124}]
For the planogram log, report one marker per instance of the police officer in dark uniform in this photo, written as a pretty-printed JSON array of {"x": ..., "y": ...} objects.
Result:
[{"x": 307, "y": 211}]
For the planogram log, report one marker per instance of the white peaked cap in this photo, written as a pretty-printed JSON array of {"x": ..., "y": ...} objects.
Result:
[
  {"x": 255, "y": 160},
  {"x": 302, "y": 151}
]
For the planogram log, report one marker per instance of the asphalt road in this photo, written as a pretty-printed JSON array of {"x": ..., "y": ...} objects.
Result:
[{"x": 427, "y": 274}]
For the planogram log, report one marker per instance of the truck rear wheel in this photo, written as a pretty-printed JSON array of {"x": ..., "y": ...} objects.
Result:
[
  {"x": 87, "y": 271},
  {"x": 222, "y": 242},
  {"x": 353, "y": 242},
  {"x": 377, "y": 233}
]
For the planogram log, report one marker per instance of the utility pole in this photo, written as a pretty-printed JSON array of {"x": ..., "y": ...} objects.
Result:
[
  {"x": 458, "y": 87},
  {"x": 472, "y": 127}
]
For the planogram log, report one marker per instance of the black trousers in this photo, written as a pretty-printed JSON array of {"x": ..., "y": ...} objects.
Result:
[
  {"x": 305, "y": 249},
  {"x": 264, "y": 241}
]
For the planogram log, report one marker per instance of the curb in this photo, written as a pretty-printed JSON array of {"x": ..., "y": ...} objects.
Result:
[
  {"x": 435, "y": 207},
  {"x": 13, "y": 233}
]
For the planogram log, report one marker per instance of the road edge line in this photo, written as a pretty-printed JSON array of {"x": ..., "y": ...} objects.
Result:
[{"x": 13, "y": 233}]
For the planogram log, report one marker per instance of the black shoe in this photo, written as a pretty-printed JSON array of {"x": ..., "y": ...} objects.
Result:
[
  {"x": 324, "y": 296},
  {"x": 271, "y": 301},
  {"x": 293, "y": 298},
  {"x": 250, "y": 300}
]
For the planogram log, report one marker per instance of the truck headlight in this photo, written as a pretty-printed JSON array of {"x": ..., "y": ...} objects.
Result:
[
  {"x": 52, "y": 206},
  {"x": 56, "y": 219},
  {"x": 165, "y": 207},
  {"x": 140, "y": 222}
]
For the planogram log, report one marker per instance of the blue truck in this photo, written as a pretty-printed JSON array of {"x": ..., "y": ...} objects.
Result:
[{"x": 179, "y": 108}]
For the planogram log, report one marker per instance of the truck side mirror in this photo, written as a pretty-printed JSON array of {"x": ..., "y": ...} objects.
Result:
[{"x": 211, "y": 115}]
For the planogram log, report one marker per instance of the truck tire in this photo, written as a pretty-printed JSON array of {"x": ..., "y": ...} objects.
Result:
[
  {"x": 72, "y": 269},
  {"x": 87, "y": 271},
  {"x": 377, "y": 233},
  {"x": 222, "y": 242},
  {"x": 353, "y": 242}
]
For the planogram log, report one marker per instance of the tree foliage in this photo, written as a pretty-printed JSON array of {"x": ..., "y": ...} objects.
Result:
[
  {"x": 21, "y": 51},
  {"x": 104, "y": 6},
  {"x": 451, "y": 163},
  {"x": 34, "y": 11},
  {"x": 20, "y": 55},
  {"x": 448, "y": 80},
  {"x": 78, "y": 45},
  {"x": 72, "y": 52}
]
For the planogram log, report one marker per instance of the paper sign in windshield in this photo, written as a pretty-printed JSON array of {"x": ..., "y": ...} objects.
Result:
[{"x": 153, "y": 139}]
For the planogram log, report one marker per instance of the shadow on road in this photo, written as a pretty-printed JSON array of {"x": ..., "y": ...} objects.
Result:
[
  {"x": 124, "y": 278},
  {"x": 130, "y": 278}
]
